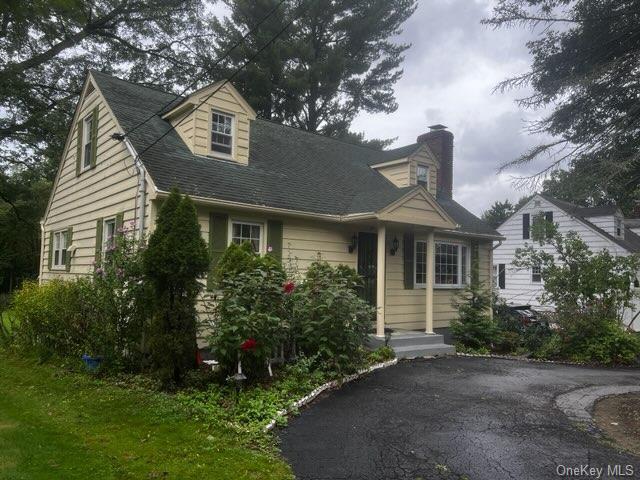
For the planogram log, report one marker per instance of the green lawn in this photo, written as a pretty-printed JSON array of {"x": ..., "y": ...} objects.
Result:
[{"x": 55, "y": 424}]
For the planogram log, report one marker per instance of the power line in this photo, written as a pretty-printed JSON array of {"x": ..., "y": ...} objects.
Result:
[
  {"x": 237, "y": 71},
  {"x": 198, "y": 78}
]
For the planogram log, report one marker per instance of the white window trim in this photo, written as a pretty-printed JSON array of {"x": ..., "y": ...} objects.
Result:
[
  {"x": 104, "y": 233},
  {"x": 86, "y": 138},
  {"x": 226, "y": 156},
  {"x": 417, "y": 284},
  {"x": 534, "y": 281},
  {"x": 256, "y": 223},
  {"x": 424, "y": 165},
  {"x": 54, "y": 265},
  {"x": 445, "y": 286}
]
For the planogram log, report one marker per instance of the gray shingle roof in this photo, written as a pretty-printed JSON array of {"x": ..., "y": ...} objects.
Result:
[
  {"x": 288, "y": 168},
  {"x": 630, "y": 242}
]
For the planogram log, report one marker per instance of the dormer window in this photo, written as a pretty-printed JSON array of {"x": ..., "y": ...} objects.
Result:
[
  {"x": 422, "y": 175},
  {"x": 221, "y": 132},
  {"x": 619, "y": 227}
]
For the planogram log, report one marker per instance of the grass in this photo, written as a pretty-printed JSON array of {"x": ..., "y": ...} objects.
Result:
[{"x": 56, "y": 424}]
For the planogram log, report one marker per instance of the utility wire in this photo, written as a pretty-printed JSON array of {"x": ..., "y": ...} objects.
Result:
[
  {"x": 198, "y": 78},
  {"x": 237, "y": 71}
]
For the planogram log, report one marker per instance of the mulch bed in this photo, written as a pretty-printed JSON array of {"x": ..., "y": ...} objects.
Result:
[{"x": 619, "y": 418}]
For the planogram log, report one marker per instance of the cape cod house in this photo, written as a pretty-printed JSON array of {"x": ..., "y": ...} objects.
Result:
[
  {"x": 297, "y": 195},
  {"x": 599, "y": 227}
]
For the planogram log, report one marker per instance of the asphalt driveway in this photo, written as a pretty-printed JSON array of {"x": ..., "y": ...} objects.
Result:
[{"x": 453, "y": 418}]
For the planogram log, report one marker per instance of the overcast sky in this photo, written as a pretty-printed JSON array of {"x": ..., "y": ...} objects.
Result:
[{"x": 449, "y": 76}]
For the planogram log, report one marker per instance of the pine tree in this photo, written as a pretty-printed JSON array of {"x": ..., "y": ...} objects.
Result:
[{"x": 174, "y": 260}]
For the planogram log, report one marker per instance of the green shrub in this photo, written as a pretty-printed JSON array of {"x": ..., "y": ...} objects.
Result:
[
  {"x": 249, "y": 321},
  {"x": 474, "y": 327},
  {"x": 329, "y": 319},
  {"x": 52, "y": 318},
  {"x": 175, "y": 259}
]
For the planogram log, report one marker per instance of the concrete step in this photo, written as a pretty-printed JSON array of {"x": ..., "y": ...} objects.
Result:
[
  {"x": 415, "y": 351},
  {"x": 406, "y": 339}
]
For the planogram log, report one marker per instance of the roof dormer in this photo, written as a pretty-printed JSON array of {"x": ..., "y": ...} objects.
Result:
[{"x": 215, "y": 122}]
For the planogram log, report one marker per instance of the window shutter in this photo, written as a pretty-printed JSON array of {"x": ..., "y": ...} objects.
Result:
[
  {"x": 119, "y": 223},
  {"x": 94, "y": 135},
  {"x": 69, "y": 242},
  {"x": 98, "y": 255},
  {"x": 274, "y": 239},
  {"x": 475, "y": 262},
  {"x": 79, "y": 148},
  {"x": 50, "y": 250},
  {"x": 407, "y": 249},
  {"x": 525, "y": 226},
  {"x": 218, "y": 232},
  {"x": 548, "y": 216},
  {"x": 501, "y": 276}
]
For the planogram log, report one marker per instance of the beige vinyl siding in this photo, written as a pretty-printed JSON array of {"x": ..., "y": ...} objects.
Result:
[
  {"x": 102, "y": 192},
  {"x": 196, "y": 129},
  {"x": 406, "y": 308},
  {"x": 424, "y": 157},
  {"x": 398, "y": 174},
  {"x": 417, "y": 209}
]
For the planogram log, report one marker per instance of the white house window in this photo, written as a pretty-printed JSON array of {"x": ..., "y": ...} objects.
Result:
[
  {"x": 247, "y": 232},
  {"x": 87, "y": 144},
  {"x": 452, "y": 265},
  {"x": 536, "y": 274},
  {"x": 109, "y": 235},
  {"x": 422, "y": 174},
  {"x": 60, "y": 249},
  {"x": 221, "y": 132},
  {"x": 421, "y": 263}
]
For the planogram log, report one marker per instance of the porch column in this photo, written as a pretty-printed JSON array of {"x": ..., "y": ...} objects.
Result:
[
  {"x": 380, "y": 280},
  {"x": 431, "y": 256}
]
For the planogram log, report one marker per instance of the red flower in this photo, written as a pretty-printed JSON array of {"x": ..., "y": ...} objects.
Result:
[
  {"x": 249, "y": 344},
  {"x": 288, "y": 287}
]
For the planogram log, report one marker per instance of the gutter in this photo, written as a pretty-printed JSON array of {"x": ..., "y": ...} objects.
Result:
[{"x": 42, "y": 240}]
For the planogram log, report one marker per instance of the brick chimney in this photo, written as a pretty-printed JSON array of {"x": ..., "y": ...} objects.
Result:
[{"x": 440, "y": 141}]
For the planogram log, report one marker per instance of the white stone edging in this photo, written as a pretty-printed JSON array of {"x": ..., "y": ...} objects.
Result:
[
  {"x": 539, "y": 360},
  {"x": 322, "y": 388}
]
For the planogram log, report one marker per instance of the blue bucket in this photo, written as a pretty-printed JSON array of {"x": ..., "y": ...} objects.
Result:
[{"x": 92, "y": 363}]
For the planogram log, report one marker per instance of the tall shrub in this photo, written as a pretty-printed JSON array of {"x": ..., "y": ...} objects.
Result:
[
  {"x": 475, "y": 327},
  {"x": 175, "y": 259}
]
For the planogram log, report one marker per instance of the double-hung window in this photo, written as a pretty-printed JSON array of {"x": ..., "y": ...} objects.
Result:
[
  {"x": 109, "y": 235},
  {"x": 221, "y": 132},
  {"x": 87, "y": 142},
  {"x": 247, "y": 232},
  {"x": 536, "y": 274},
  {"x": 60, "y": 249},
  {"x": 452, "y": 264},
  {"x": 422, "y": 174}
]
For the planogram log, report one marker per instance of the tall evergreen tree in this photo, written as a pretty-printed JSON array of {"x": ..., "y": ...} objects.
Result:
[
  {"x": 585, "y": 70},
  {"x": 175, "y": 259},
  {"x": 334, "y": 61}
]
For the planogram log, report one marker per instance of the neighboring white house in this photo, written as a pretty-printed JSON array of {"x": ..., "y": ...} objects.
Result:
[{"x": 600, "y": 227}]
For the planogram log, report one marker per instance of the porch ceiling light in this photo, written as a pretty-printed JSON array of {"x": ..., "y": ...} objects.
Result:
[
  {"x": 354, "y": 243},
  {"x": 394, "y": 246}
]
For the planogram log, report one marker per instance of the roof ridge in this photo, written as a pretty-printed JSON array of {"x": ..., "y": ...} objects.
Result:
[
  {"x": 154, "y": 88},
  {"x": 341, "y": 140}
]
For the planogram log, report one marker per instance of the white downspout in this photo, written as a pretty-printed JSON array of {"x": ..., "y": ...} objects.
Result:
[
  {"x": 141, "y": 194},
  {"x": 42, "y": 240}
]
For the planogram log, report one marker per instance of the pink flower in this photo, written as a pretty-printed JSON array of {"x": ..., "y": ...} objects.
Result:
[
  {"x": 249, "y": 344},
  {"x": 288, "y": 287}
]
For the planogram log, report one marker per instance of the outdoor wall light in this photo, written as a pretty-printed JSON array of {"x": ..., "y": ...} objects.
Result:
[
  {"x": 354, "y": 243},
  {"x": 394, "y": 246}
]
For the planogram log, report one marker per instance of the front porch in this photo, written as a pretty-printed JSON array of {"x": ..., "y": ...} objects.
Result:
[{"x": 412, "y": 344}]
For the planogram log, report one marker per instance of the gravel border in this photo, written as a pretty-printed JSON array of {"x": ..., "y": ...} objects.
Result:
[
  {"x": 323, "y": 388},
  {"x": 538, "y": 360}
]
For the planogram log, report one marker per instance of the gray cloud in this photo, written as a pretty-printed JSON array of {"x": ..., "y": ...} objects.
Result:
[{"x": 449, "y": 76}]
